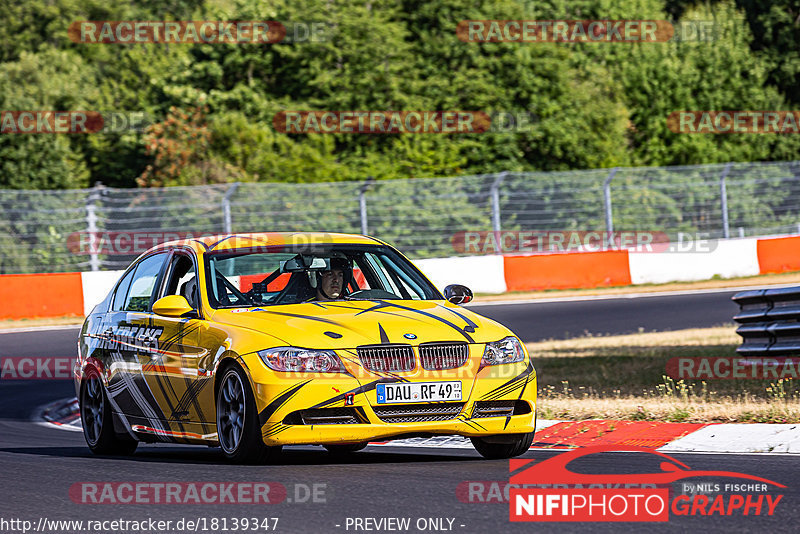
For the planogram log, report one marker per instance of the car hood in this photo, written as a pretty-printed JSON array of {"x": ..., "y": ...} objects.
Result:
[{"x": 349, "y": 324}]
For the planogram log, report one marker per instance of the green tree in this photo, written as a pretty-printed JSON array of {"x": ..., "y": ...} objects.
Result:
[{"x": 48, "y": 80}]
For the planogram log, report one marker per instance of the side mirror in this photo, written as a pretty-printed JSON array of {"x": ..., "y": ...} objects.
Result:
[
  {"x": 458, "y": 294},
  {"x": 174, "y": 306}
]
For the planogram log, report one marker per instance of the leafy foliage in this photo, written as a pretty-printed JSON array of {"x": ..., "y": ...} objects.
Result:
[{"x": 596, "y": 105}]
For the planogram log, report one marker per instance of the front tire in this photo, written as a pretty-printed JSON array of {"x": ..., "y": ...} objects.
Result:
[
  {"x": 238, "y": 430},
  {"x": 98, "y": 427},
  {"x": 491, "y": 449}
]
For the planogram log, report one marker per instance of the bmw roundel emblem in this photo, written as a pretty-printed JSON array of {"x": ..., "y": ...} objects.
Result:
[{"x": 409, "y": 336}]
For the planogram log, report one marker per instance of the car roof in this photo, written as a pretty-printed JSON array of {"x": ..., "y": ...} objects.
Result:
[{"x": 225, "y": 242}]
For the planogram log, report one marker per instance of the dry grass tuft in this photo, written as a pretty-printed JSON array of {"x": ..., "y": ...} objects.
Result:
[{"x": 624, "y": 377}]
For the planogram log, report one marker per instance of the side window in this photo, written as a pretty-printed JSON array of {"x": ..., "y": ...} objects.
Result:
[
  {"x": 144, "y": 280},
  {"x": 182, "y": 280},
  {"x": 122, "y": 291}
]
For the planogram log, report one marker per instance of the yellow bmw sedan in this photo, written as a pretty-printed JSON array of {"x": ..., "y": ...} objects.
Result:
[{"x": 254, "y": 341}]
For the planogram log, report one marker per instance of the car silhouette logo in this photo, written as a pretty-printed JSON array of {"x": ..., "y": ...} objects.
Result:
[{"x": 555, "y": 471}]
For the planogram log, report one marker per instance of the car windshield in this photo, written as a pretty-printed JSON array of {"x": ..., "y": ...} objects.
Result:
[{"x": 284, "y": 275}]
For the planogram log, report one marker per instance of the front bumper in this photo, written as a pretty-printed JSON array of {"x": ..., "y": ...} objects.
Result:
[{"x": 280, "y": 403}]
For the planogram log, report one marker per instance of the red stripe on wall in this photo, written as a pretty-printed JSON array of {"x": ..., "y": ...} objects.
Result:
[
  {"x": 778, "y": 255},
  {"x": 566, "y": 271},
  {"x": 27, "y": 296}
]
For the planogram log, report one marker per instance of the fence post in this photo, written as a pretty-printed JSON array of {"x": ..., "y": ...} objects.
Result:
[
  {"x": 607, "y": 199},
  {"x": 91, "y": 225},
  {"x": 227, "y": 223},
  {"x": 723, "y": 195},
  {"x": 495, "y": 193},
  {"x": 362, "y": 203}
]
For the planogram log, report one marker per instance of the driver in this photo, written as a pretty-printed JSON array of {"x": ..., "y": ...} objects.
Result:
[{"x": 331, "y": 284}]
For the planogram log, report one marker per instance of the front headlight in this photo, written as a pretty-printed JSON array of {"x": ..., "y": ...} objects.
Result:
[
  {"x": 295, "y": 359},
  {"x": 507, "y": 350}
]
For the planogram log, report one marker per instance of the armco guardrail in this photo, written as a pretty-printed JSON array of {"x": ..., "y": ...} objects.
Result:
[{"x": 769, "y": 321}]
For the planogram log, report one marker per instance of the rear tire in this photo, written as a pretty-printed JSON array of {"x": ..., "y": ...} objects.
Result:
[
  {"x": 98, "y": 427},
  {"x": 497, "y": 451},
  {"x": 238, "y": 430},
  {"x": 343, "y": 450}
]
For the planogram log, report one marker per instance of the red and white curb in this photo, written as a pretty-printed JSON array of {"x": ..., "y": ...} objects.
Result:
[
  {"x": 63, "y": 414},
  {"x": 725, "y": 437},
  {"x": 564, "y": 435}
]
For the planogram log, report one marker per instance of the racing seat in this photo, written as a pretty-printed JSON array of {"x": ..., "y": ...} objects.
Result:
[
  {"x": 297, "y": 289},
  {"x": 189, "y": 291}
]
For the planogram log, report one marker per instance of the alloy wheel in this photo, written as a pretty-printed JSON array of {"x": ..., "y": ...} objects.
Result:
[
  {"x": 92, "y": 406},
  {"x": 231, "y": 412}
]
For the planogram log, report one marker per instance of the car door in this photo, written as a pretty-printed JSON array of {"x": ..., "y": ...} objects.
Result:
[
  {"x": 130, "y": 337},
  {"x": 180, "y": 370}
]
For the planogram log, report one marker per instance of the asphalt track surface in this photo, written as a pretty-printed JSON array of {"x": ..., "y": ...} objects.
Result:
[
  {"x": 565, "y": 318},
  {"x": 39, "y": 464}
]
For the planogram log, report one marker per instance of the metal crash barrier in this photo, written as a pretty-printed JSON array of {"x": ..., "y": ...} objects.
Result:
[{"x": 769, "y": 322}]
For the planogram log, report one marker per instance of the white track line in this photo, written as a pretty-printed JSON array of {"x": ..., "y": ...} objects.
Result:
[{"x": 41, "y": 328}]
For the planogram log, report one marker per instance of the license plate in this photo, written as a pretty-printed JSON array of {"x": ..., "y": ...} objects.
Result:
[{"x": 418, "y": 392}]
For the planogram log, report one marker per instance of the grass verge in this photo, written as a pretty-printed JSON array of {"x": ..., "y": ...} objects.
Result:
[{"x": 624, "y": 378}]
